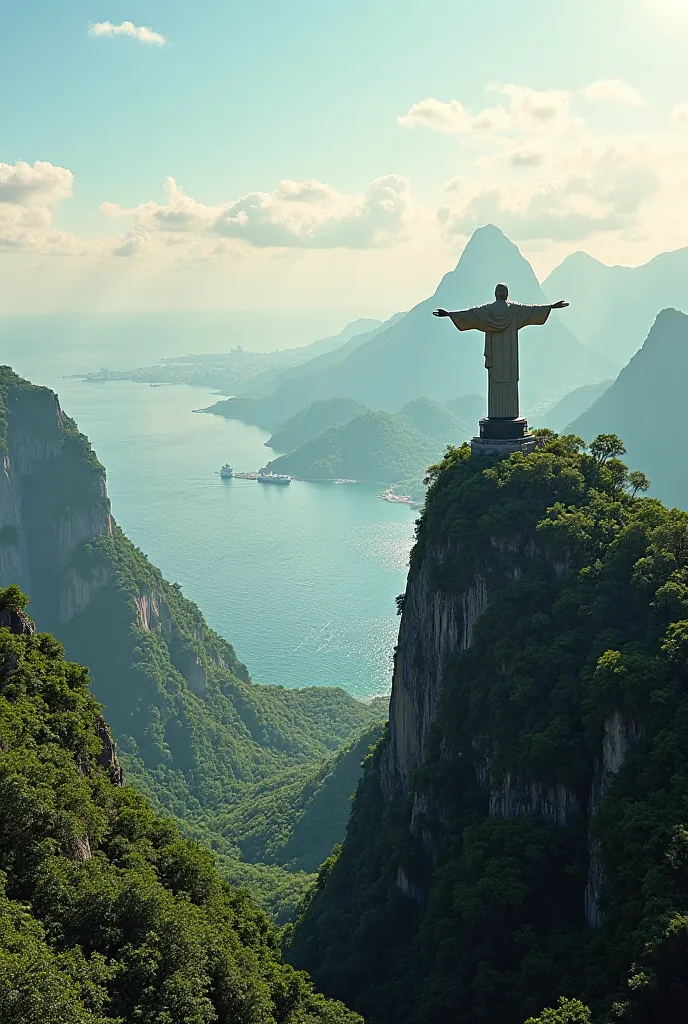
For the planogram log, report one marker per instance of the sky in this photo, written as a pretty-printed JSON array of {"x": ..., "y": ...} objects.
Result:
[{"x": 303, "y": 155}]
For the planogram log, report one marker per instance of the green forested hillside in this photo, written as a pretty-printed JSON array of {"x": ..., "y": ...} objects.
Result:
[
  {"x": 106, "y": 913},
  {"x": 376, "y": 446},
  {"x": 198, "y": 754},
  {"x": 548, "y": 852},
  {"x": 437, "y": 422},
  {"x": 195, "y": 733},
  {"x": 296, "y": 819},
  {"x": 312, "y": 420}
]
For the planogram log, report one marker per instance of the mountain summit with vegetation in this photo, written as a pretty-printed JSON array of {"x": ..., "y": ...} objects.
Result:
[
  {"x": 518, "y": 845},
  {"x": 376, "y": 446}
]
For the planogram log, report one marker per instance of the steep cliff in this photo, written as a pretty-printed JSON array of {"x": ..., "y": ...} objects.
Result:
[
  {"x": 194, "y": 731},
  {"x": 520, "y": 831}
]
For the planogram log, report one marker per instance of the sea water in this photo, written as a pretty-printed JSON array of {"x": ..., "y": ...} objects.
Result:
[{"x": 301, "y": 579}]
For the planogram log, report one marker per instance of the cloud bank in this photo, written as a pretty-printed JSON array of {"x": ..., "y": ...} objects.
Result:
[
  {"x": 127, "y": 28},
  {"x": 294, "y": 215},
  {"x": 532, "y": 164},
  {"x": 533, "y": 161}
]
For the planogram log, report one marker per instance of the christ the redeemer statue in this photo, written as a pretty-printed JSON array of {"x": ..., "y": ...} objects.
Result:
[{"x": 500, "y": 321}]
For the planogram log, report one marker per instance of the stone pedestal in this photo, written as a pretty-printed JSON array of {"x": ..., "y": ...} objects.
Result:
[{"x": 502, "y": 437}]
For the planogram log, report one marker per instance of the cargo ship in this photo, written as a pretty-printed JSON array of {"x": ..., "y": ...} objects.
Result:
[{"x": 226, "y": 472}]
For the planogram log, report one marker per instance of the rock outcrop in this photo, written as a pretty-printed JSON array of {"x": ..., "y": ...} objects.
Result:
[
  {"x": 436, "y": 625},
  {"x": 53, "y": 500}
]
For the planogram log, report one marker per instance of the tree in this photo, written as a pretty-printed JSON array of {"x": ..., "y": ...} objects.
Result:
[
  {"x": 637, "y": 481},
  {"x": 568, "y": 1011},
  {"x": 12, "y": 597},
  {"x": 605, "y": 447}
]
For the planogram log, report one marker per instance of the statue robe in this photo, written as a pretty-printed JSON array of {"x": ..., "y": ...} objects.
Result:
[{"x": 501, "y": 321}]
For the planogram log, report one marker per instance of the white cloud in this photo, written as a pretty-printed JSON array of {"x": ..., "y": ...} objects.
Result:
[
  {"x": 127, "y": 28},
  {"x": 614, "y": 90},
  {"x": 583, "y": 185},
  {"x": 527, "y": 107},
  {"x": 530, "y": 107},
  {"x": 295, "y": 215},
  {"x": 679, "y": 114},
  {"x": 316, "y": 216},
  {"x": 452, "y": 117},
  {"x": 28, "y": 193},
  {"x": 39, "y": 184},
  {"x": 586, "y": 201}
]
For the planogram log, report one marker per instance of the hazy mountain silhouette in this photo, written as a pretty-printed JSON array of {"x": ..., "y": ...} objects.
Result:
[
  {"x": 311, "y": 421},
  {"x": 318, "y": 355},
  {"x": 419, "y": 355},
  {"x": 469, "y": 408},
  {"x": 436, "y": 421},
  {"x": 646, "y": 406},
  {"x": 571, "y": 406},
  {"x": 612, "y": 308}
]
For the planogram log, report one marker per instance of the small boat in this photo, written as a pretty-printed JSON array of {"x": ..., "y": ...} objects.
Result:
[
  {"x": 226, "y": 472},
  {"x": 273, "y": 478}
]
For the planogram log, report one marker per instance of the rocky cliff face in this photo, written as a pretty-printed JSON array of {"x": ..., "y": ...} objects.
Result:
[
  {"x": 54, "y": 508},
  {"x": 53, "y": 500},
  {"x": 436, "y": 626}
]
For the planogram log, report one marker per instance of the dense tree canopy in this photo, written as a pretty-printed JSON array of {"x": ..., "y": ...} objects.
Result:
[
  {"x": 585, "y": 636},
  {"x": 106, "y": 912}
]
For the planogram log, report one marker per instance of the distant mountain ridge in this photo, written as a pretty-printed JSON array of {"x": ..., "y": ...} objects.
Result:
[
  {"x": 613, "y": 308},
  {"x": 418, "y": 355},
  {"x": 646, "y": 406},
  {"x": 571, "y": 406}
]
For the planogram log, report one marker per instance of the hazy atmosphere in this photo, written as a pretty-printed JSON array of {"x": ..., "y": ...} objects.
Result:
[
  {"x": 343, "y": 512},
  {"x": 161, "y": 155}
]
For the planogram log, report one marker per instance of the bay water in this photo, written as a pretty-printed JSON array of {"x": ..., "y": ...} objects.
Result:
[{"x": 300, "y": 579}]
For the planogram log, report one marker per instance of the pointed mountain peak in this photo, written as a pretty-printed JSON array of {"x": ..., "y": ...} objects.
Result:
[
  {"x": 491, "y": 239},
  {"x": 488, "y": 259},
  {"x": 664, "y": 353},
  {"x": 670, "y": 327}
]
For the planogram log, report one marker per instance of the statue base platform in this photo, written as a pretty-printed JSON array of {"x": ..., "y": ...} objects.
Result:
[
  {"x": 502, "y": 446},
  {"x": 503, "y": 429}
]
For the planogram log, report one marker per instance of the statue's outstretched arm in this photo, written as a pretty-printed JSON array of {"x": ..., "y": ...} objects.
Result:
[
  {"x": 561, "y": 304},
  {"x": 441, "y": 312}
]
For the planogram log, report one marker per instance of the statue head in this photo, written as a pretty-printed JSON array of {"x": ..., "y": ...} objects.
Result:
[{"x": 501, "y": 292}]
